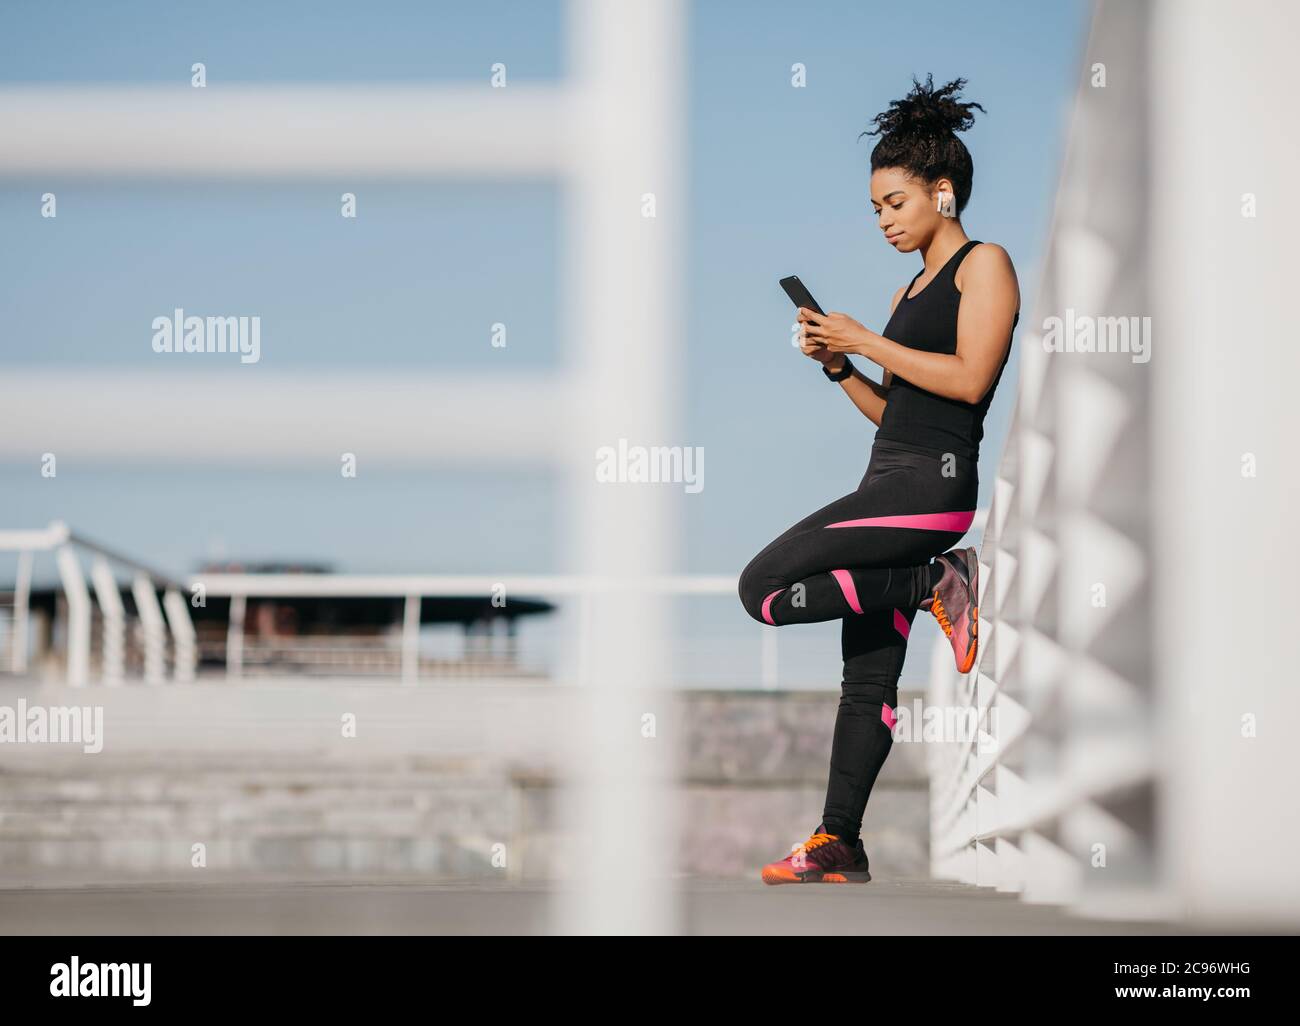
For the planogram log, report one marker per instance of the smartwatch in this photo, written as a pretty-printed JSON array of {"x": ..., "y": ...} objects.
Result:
[{"x": 841, "y": 374}]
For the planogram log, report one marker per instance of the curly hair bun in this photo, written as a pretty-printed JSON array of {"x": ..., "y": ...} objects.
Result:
[
  {"x": 919, "y": 135},
  {"x": 927, "y": 111}
]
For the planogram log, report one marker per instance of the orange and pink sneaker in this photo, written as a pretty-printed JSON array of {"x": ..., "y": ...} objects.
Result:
[
  {"x": 955, "y": 603},
  {"x": 823, "y": 858}
]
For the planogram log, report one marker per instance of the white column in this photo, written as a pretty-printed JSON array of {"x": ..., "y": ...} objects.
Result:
[
  {"x": 184, "y": 642},
  {"x": 235, "y": 638},
  {"x": 110, "y": 607},
  {"x": 623, "y": 317},
  {"x": 22, "y": 596},
  {"x": 1225, "y": 418},
  {"x": 769, "y": 666},
  {"x": 74, "y": 587},
  {"x": 411, "y": 640},
  {"x": 155, "y": 631}
]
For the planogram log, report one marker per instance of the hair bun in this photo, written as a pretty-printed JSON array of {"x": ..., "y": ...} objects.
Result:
[{"x": 927, "y": 111}]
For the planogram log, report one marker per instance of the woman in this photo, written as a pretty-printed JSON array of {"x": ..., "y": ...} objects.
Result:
[{"x": 867, "y": 558}]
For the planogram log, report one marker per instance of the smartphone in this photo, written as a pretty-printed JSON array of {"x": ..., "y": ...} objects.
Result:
[{"x": 800, "y": 295}]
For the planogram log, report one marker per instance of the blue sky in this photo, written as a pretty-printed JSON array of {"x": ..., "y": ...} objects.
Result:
[{"x": 778, "y": 184}]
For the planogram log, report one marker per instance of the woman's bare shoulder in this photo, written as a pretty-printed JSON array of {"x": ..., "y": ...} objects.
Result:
[
  {"x": 987, "y": 256},
  {"x": 988, "y": 262}
]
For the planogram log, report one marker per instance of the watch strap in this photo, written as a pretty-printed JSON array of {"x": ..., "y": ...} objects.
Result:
[{"x": 842, "y": 373}]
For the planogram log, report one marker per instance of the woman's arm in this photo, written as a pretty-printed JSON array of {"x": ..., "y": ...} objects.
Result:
[
  {"x": 867, "y": 396},
  {"x": 990, "y": 299}
]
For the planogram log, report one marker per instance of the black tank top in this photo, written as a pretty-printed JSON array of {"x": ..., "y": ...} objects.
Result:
[{"x": 928, "y": 321}]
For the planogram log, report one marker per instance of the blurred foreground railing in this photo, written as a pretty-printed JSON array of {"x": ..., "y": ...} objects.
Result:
[{"x": 625, "y": 213}]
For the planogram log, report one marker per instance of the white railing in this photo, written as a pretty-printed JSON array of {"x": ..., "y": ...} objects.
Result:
[
  {"x": 100, "y": 631},
  {"x": 1118, "y": 675},
  {"x": 411, "y": 589},
  {"x": 1062, "y": 770},
  {"x": 104, "y": 619}
]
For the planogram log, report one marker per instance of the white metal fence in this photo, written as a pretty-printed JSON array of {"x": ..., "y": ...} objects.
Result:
[
  {"x": 100, "y": 640},
  {"x": 1125, "y": 676},
  {"x": 122, "y": 645}
]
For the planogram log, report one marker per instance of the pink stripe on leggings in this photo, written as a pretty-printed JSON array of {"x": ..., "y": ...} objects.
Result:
[
  {"x": 845, "y": 580},
  {"x": 955, "y": 521},
  {"x": 887, "y": 716},
  {"x": 900, "y": 622},
  {"x": 767, "y": 606}
]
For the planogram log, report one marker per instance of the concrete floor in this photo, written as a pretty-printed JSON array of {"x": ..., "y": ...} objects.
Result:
[{"x": 883, "y": 907}]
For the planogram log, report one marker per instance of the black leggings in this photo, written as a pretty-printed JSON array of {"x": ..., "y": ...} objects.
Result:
[{"x": 866, "y": 559}]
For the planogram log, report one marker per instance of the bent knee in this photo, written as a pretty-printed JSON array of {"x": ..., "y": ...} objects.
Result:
[
  {"x": 756, "y": 591},
  {"x": 749, "y": 589}
]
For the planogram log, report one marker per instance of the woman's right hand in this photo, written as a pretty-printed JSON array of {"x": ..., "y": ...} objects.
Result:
[
  {"x": 818, "y": 350},
  {"x": 833, "y": 360}
]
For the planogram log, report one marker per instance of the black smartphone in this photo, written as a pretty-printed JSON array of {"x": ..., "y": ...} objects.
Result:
[{"x": 800, "y": 295}]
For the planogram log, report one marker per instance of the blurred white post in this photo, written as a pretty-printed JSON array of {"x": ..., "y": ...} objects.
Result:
[
  {"x": 74, "y": 587},
  {"x": 22, "y": 596},
  {"x": 235, "y": 637},
  {"x": 581, "y": 671},
  {"x": 184, "y": 647},
  {"x": 151, "y": 623},
  {"x": 1225, "y": 366},
  {"x": 623, "y": 315},
  {"x": 769, "y": 665},
  {"x": 114, "y": 615},
  {"x": 411, "y": 640}
]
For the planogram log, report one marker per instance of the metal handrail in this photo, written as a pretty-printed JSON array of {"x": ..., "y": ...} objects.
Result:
[{"x": 157, "y": 620}]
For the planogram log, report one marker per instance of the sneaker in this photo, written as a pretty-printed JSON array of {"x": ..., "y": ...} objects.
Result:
[
  {"x": 823, "y": 858},
  {"x": 955, "y": 604}
]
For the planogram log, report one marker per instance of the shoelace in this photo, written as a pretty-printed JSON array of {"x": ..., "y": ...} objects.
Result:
[
  {"x": 815, "y": 841},
  {"x": 941, "y": 614}
]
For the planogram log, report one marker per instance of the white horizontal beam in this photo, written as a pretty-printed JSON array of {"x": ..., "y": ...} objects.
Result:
[
  {"x": 25, "y": 540},
  {"x": 248, "y": 416},
  {"x": 298, "y": 132},
  {"x": 402, "y": 585}
]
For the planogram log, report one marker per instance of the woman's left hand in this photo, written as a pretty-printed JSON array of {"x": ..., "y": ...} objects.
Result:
[{"x": 838, "y": 332}]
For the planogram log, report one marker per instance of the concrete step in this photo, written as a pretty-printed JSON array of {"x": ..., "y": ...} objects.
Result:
[{"x": 436, "y": 779}]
